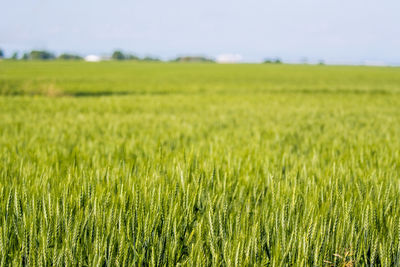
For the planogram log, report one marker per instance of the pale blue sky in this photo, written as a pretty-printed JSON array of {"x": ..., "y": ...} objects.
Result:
[{"x": 334, "y": 30}]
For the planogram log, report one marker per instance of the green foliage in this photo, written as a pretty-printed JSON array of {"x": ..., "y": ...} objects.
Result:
[
  {"x": 151, "y": 59},
  {"x": 25, "y": 56},
  {"x": 66, "y": 56},
  {"x": 193, "y": 59},
  {"x": 131, "y": 57},
  {"x": 272, "y": 61},
  {"x": 119, "y": 55},
  {"x": 198, "y": 165},
  {"x": 40, "y": 55},
  {"x": 14, "y": 56},
  {"x": 1, "y": 53}
]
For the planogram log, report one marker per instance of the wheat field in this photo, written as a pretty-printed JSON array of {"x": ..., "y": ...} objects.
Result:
[{"x": 167, "y": 164}]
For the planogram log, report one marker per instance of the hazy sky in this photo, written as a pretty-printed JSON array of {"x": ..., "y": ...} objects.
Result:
[{"x": 333, "y": 30}]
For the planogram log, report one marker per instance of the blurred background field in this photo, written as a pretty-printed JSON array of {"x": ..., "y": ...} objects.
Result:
[{"x": 104, "y": 78}]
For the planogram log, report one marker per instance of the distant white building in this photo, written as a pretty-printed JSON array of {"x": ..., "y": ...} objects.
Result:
[
  {"x": 229, "y": 58},
  {"x": 92, "y": 58}
]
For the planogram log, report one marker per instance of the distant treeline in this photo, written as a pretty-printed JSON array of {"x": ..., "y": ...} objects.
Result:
[
  {"x": 119, "y": 55},
  {"x": 116, "y": 55},
  {"x": 272, "y": 61},
  {"x": 193, "y": 59},
  {"x": 41, "y": 55}
]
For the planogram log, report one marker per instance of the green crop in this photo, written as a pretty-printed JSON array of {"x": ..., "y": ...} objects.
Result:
[{"x": 115, "y": 164}]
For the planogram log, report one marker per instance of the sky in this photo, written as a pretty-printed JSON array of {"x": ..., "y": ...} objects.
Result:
[{"x": 336, "y": 31}]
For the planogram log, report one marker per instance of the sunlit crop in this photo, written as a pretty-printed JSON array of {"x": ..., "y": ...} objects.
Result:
[{"x": 115, "y": 164}]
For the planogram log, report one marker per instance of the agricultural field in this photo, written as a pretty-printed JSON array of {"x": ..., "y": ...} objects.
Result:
[{"x": 127, "y": 164}]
